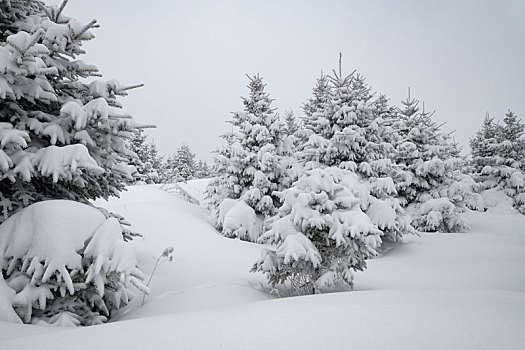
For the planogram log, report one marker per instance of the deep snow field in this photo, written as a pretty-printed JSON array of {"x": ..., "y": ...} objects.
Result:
[{"x": 437, "y": 291}]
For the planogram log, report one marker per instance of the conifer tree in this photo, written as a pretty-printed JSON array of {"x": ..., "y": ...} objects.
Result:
[
  {"x": 147, "y": 162},
  {"x": 350, "y": 133},
  {"x": 250, "y": 166},
  {"x": 498, "y": 157},
  {"x": 62, "y": 136},
  {"x": 202, "y": 170},
  {"x": 181, "y": 166},
  {"x": 322, "y": 233},
  {"x": 291, "y": 125},
  {"x": 435, "y": 194},
  {"x": 484, "y": 146}
]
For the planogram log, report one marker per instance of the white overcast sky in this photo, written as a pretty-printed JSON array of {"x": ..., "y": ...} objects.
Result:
[{"x": 463, "y": 58}]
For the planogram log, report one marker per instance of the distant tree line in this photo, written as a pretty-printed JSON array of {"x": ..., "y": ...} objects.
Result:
[{"x": 152, "y": 168}]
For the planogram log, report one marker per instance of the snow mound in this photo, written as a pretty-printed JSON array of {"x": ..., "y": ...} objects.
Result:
[{"x": 239, "y": 220}]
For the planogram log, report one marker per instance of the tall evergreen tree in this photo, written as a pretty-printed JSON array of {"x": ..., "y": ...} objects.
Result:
[
  {"x": 498, "y": 157},
  {"x": 350, "y": 133},
  {"x": 314, "y": 105},
  {"x": 62, "y": 136},
  {"x": 250, "y": 166},
  {"x": 431, "y": 158},
  {"x": 484, "y": 146}
]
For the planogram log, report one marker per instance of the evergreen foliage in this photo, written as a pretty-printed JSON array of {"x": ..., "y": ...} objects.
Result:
[
  {"x": 431, "y": 159},
  {"x": 250, "y": 166},
  {"x": 349, "y": 130},
  {"x": 147, "y": 162},
  {"x": 498, "y": 157},
  {"x": 61, "y": 136},
  {"x": 181, "y": 166},
  {"x": 291, "y": 124},
  {"x": 322, "y": 233},
  {"x": 67, "y": 264}
]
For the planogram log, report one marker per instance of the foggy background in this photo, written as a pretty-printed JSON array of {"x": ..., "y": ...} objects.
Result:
[{"x": 463, "y": 58}]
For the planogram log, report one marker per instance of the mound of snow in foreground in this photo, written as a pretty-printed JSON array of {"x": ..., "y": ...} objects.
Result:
[{"x": 438, "y": 291}]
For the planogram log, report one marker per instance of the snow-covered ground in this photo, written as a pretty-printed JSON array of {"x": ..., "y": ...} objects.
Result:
[{"x": 437, "y": 291}]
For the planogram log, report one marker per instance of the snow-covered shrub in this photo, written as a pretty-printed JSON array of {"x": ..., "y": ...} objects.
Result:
[
  {"x": 438, "y": 214},
  {"x": 67, "y": 264},
  {"x": 322, "y": 233},
  {"x": 238, "y": 220}
]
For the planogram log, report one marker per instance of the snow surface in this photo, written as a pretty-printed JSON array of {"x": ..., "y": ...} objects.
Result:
[{"x": 437, "y": 291}]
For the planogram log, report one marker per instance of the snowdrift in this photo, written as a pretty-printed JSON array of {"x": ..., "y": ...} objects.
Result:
[{"x": 437, "y": 291}]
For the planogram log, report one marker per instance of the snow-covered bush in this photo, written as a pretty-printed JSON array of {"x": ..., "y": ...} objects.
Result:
[
  {"x": 322, "y": 233},
  {"x": 238, "y": 220},
  {"x": 66, "y": 264},
  {"x": 438, "y": 214}
]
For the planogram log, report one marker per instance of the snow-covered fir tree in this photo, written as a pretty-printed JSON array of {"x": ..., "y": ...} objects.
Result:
[
  {"x": 250, "y": 166},
  {"x": 350, "y": 133},
  {"x": 498, "y": 157},
  {"x": 147, "y": 162},
  {"x": 291, "y": 124},
  {"x": 438, "y": 190},
  {"x": 483, "y": 150},
  {"x": 202, "y": 170},
  {"x": 61, "y": 135},
  {"x": 322, "y": 233},
  {"x": 181, "y": 166}
]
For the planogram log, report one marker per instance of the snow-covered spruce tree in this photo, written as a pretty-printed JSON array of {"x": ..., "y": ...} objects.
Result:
[
  {"x": 437, "y": 191},
  {"x": 250, "y": 166},
  {"x": 291, "y": 124},
  {"x": 309, "y": 121},
  {"x": 499, "y": 159},
  {"x": 483, "y": 150},
  {"x": 181, "y": 166},
  {"x": 351, "y": 133},
  {"x": 202, "y": 170},
  {"x": 61, "y": 137},
  {"x": 322, "y": 233},
  {"x": 147, "y": 162}
]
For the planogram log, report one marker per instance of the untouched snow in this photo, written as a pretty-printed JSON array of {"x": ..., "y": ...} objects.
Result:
[{"x": 437, "y": 291}]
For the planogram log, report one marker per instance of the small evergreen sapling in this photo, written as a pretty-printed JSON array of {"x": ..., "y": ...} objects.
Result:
[{"x": 322, "y": 233}]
